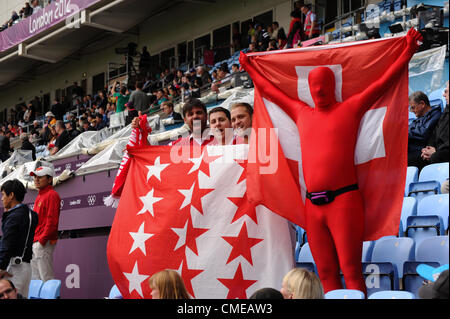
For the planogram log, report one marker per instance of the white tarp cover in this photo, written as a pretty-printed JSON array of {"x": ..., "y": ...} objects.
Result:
[
  {"x": 426, "y": 70},
  {"x": 109, "y": 158},
  {"x": 18, "y": 158}
]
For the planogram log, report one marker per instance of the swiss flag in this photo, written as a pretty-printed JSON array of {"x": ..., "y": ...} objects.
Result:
[
  {"x": 380, "y": 151},
  {"x": 192, "y": 215}
]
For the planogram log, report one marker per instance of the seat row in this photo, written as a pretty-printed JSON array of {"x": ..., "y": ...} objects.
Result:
[
  {"x": 390, "y": 262},
  {"x": 428, "y": 182},
  {"x": 44, "y": 290}
]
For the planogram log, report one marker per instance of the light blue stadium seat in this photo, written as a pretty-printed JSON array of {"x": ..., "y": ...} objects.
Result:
[
  {"x": 114, "y": 293},
  {"x": 412, "y": 175},
  {"x": 35, "y": 288},
  {"x": 367, "y": 251},
  {"x": 51, "y": 289},
  {"x": 436, "y": 98},
  {"x": 392, "y": 294},
  {"x": 305, "y": 258},
  {"x": 423, "y": 189},
  {"x": 409, "y": 208},
  {"x": 434, "y": 172},
  {"x": 433, "y": 249},
  {"x": 395, "y": 251},
  {"x": 422, "y": 227},
  {"x": 435, "y": 205},
  {"x": 344, "y": 294}
]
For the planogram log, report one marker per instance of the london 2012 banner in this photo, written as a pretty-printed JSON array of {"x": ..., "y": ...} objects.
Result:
[{"x": 43, "y": 19}]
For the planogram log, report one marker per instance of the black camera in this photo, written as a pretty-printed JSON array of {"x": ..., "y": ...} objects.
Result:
[{"x": 17, "y": 260}]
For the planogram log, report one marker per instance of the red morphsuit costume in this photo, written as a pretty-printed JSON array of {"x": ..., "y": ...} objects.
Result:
[{"x": 335, "y": 229}]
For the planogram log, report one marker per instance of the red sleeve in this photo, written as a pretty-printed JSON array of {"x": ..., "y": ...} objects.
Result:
[{"x": 51, "y": 225}]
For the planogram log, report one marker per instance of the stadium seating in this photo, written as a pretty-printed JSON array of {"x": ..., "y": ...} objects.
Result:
[
  {"x": 435, "y": 205},
  {"x": 434, "y": 172},
  {"x": 436, "y": 98},
  {"x": 114, "y": 293},
  {"x": 344, "y": 294},
  {"x": 367, "y": 251},
  {"x": 412, "y": 175},
  {"x": 423, "y": 189},
  {"x": 35, "y": 288},
  {"x": 409, "y": 208},
  {"x": 412, "y": 281},
  {"x": 379, "y": 276},
  {"x": 305, "y": 259},
  {"x": 51, "y": 289},
  {"x": 392, "y": 294},
  {"x": 395, "y": 251},
  {"x": 433, "y": 249}
]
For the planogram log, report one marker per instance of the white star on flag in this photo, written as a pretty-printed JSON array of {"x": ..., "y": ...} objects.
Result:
[
  {"x": 197, "y": 161},
  {"x": 181, "y": 232},
  {"x": 148, "y": 201},
  {"x": 156, "y": 169},
  {"x": 187, "y": 193},
  {"x": 139, "y": 239},
  {"x": 135, "y": 280}
]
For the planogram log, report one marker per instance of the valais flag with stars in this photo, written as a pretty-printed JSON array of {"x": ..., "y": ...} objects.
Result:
[
  {"x": 191, "y": 215},
  {"x": 381, "y": 147}
]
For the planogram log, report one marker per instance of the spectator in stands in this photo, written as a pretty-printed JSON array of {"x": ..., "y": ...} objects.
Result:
[
  {"x": 71, "y": 129},
  {"x": 8, "y": 290},
  {"x": 50, "y": 118},
  {"x": 167, "y": 108},
  {"x": 263, "y": 37},
  {"x": 437, "y": 150},
  {"x": 100, "y": 121},
  {"x": 436, "y": 289},
  {"x": 47, "y": 205},
  {"x": 203, "y": 75},
  {"x": 241, "y": 121},
  {"x": 266, "y": 293},
  {"x": 35, "y": 130},
  {"x": 144, "y": 62},
  {"x": 58, "y": 110},
  {"x": 26, "y": 145},
  {"x": 295, "y": 30},
  {"x": 139, "y": 99},
  {"x": 160, "y": 98},
  {"x": 62, "y": 137},
  {"x": 222, "y": 73},
  {"x": 235, "y": 68},
  {"x": 132, "y": 113},
  {"x": 251, "y": 32},
  {"x": 168, "y": 284},
  {"x": 300, "y": 283},
  {"x": 272, "y": 45},
  {"x": 18, "y": 229},
  {"x": 421, "y": 128},
  {"x": 173, "y": 93},
  {"x": 35, "y": 6},
  {"x": 220, "y": 126},
  {"x": 5, "y": 146},
  {"x": 236, "y": 39},
  {"x": 121, "y": 98},
  {"x": 279, "y": 35},
  {"x": 86, "y": 126},
  {"x": 311, "y": 27},
  {"x": 27, "y": 10}
]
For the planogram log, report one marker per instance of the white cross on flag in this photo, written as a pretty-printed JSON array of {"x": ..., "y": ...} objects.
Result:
[{"x": 193, "y": 216}]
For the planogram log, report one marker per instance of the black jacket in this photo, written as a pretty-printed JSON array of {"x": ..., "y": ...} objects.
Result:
[
  {"x": 439, "y": 139},
  {"x": 15, "y": 224},
  {"x": 26, "y": 145}
]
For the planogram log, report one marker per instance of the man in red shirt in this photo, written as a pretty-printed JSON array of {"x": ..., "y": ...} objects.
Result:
[{"x": 47, "y": 205}]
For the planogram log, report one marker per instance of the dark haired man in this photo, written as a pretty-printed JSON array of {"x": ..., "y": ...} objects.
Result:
[
  {"x": 8, "y": 290},
  {"x": 18, "y": 227},
  {"x": 220, "y": 125},
  {"x": 139, "y": 98},
  {"x": 47, "y": 205},
  {"x": 241, "y": 121}
]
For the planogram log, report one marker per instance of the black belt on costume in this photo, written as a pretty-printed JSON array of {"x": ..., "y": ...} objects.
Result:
[{"x": 326, "y": 197}]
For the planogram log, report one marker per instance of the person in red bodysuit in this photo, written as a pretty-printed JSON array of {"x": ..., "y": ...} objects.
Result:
[{"x": 335, "y": 227}]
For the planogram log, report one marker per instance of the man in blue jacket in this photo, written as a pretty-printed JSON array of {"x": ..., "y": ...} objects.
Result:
[
  {"x": 421, "y": 128},
  {"x": 18, "y": 226}
]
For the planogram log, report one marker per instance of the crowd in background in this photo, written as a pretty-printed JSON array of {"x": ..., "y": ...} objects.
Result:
[{"x": 29, "y": 9}]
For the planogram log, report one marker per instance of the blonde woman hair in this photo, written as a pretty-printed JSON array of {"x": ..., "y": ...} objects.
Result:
[
  {"x": 170, "y": 285},
  {"x": 303, "y": 284}
]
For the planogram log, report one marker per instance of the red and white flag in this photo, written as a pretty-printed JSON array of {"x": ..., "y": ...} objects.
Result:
[
  {"x": 191, "y": 214},
  {"x": 381, "y": 148}
]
